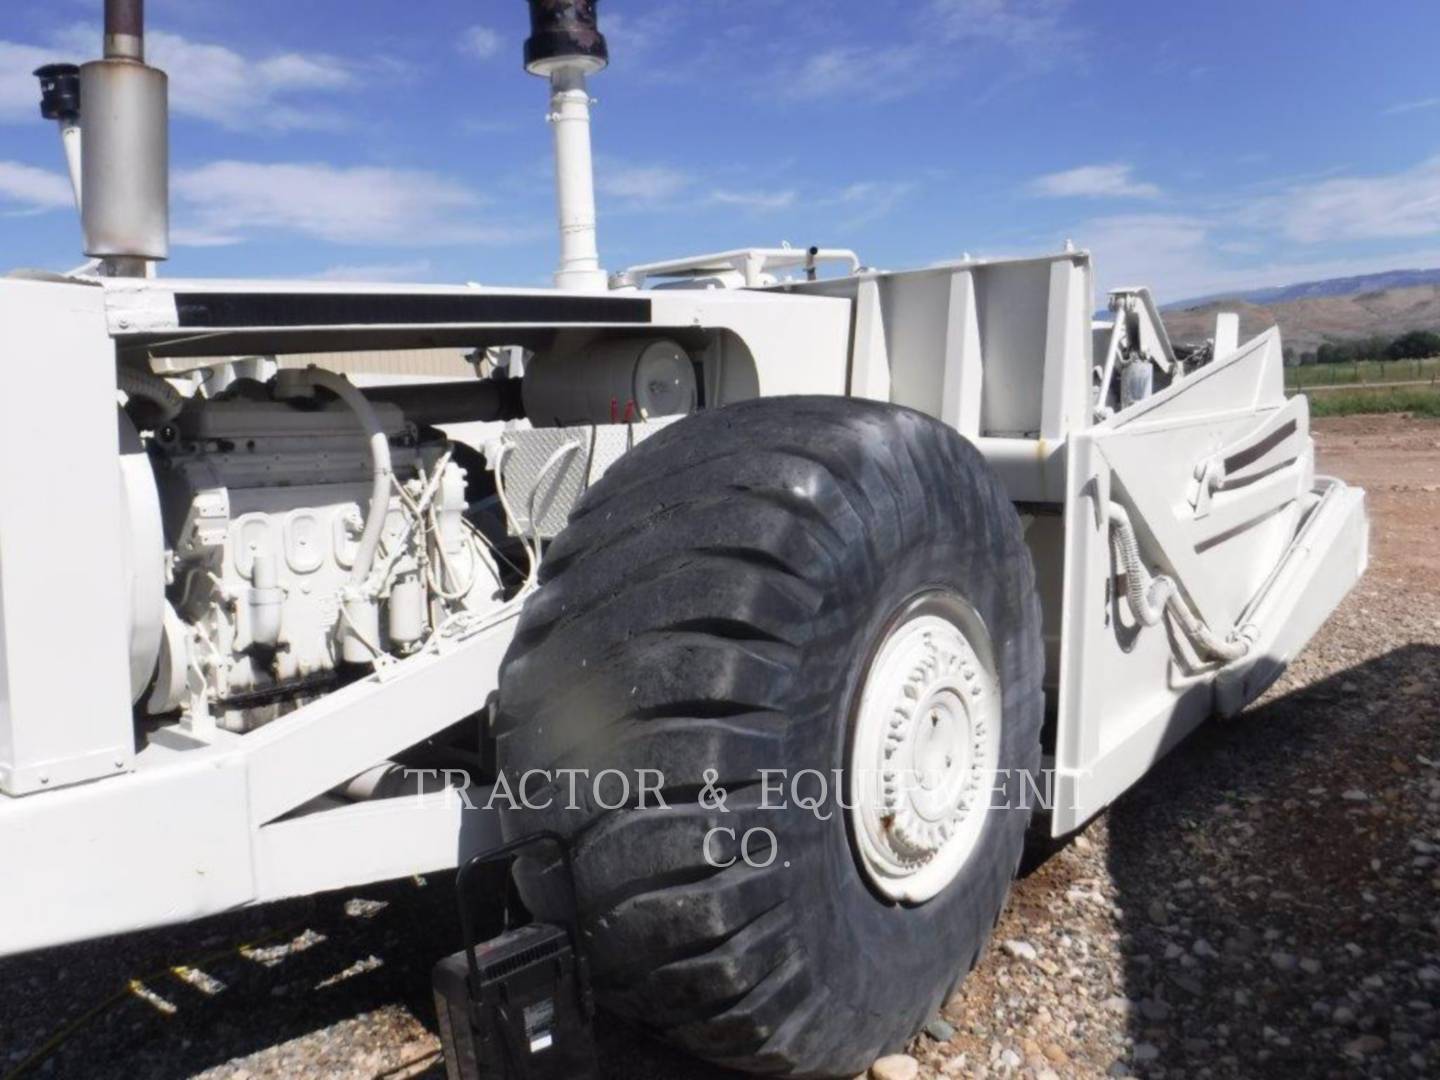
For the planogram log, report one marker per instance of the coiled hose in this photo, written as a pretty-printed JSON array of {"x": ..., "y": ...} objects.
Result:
[{"x": 1151, "y": 596}]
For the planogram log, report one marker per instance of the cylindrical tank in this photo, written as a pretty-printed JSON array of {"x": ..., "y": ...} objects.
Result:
[
  {"x": 359, "y": 629},
  {"x": 406, "y": 609},
  {"x": 126, "y": 162},
  {"x": 621, "y": 381}
]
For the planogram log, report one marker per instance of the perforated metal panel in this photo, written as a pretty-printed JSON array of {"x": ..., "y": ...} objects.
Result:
[{"x": 544, "y": 471}]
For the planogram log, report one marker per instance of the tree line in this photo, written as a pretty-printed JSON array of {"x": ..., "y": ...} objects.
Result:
[{"x": 1412, "y": 345}]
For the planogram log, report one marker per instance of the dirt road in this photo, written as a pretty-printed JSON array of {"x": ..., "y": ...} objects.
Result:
[{"x": 1265, "y": 903}]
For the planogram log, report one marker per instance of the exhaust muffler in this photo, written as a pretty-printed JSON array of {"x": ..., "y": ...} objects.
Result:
[{"x": 125, "y": 164}]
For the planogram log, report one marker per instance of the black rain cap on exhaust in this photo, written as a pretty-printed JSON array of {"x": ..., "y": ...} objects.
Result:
[
  {"x": 561, "y": 31},
  {"x": 59, "y": 91}
]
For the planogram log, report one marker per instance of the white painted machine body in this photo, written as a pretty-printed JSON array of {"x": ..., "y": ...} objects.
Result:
[{"x": 130, "y": 801}]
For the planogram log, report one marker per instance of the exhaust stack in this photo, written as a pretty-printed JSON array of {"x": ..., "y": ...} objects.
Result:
[
  {"x": 125, "y": 166},
  {"x": 125, "y": 30},
  {"x": 566, "y": 46}
]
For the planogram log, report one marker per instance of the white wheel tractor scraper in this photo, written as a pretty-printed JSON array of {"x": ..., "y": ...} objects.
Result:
[{"x": 780, "y": 595}]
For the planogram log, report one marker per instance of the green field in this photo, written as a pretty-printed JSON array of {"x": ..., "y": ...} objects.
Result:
[
  {"x": 1362, "y": 371},
  {"x": 1419, "y": 400}
]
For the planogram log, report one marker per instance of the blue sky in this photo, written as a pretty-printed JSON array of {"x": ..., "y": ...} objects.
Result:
[{"x": 1194, "y": 147}]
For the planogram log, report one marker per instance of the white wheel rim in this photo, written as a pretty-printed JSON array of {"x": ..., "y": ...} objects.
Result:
[{"x": 926, "y": 747}]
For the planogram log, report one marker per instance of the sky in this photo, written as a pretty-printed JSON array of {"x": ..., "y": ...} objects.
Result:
[{"x": 1193, "y": 147}]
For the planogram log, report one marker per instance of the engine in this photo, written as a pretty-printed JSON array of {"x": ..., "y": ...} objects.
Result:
[{"x": 282, "y": 577}]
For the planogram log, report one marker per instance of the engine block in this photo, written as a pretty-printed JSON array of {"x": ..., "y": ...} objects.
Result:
[{"x": 264, "y": 503}]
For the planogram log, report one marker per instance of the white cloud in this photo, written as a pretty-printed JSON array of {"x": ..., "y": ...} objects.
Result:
[
  {"x": 1411, "y": 106},
  {"x": 480, "y": 42},
  {"x": 630, "y": 36},
  {"x": 19, "y": 90},
  {"x": 859, "y": 72},
  {"x": 190, "y": 236},
  {"x": 28, "y": 189},
  {"x": 643, "y": 184},
  {"x": 1033, "y": 28},
  {"x": 1093, "y": 181},
  {"x": 227, "y": 201},
  {"x": 868, "y": 200},
  {"x": 663, "y": 187},
  {"x": 415, "y": 270},
  {"x": 1182, "y": 256},
  {"x": 864, "y": 191},
  {"x": 1403, "y": 204},
  {"x": 225, "y": 87},
  {"x": 758, "y": 201},
  {"x": 1169, "y": 252}
]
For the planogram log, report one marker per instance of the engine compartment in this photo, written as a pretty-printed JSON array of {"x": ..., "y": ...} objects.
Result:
[
  {"x": 289, "y": 532},
  {"x": 264, "y": 501}
]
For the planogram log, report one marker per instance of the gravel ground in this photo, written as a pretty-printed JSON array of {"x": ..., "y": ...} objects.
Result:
[{"x": 1266, "y": 902}]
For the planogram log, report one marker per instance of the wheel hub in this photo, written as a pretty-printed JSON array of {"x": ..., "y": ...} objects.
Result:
[{"x": 925, "y": 751}]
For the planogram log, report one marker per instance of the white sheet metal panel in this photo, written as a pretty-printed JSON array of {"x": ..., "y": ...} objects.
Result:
[
  {"x": 64, "y": 638},
  {"x": 1065, "y": 394},
  {"x": 189, "y": 833},
  {"x": 1128, "y": 693},
  {"x": 1326, "y": 560},
  {"x": 1014, "y": 305},
  {"x": 801, "y": 344},
  {"x": 1013, "y": 319},
  {"x": 870, "y": 355},
  {"x": 962, "y": 382},
  {"x": 150, "y": 848},
  {"x": 372, "y": 841}
]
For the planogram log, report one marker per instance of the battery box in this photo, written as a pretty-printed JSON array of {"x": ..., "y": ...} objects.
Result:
[{"x": 524, "y": 1017}]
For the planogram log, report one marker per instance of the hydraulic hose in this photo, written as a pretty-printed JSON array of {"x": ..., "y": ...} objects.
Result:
[{"x": 1151, "y": 597}]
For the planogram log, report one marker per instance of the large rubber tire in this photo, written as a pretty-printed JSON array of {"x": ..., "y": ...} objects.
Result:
[{"x": 712, "y": 606}]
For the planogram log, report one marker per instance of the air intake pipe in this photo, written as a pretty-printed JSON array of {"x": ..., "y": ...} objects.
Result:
[
  {"x": 125, "y": 166},
  {"x": 60, "y": 101},
  {"x": 566, "y": 46}
]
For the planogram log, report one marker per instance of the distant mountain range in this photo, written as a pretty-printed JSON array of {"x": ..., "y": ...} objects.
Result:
[
  {"x": 1315, "y": 312},
  {"x": 1316, "y": 290}
]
